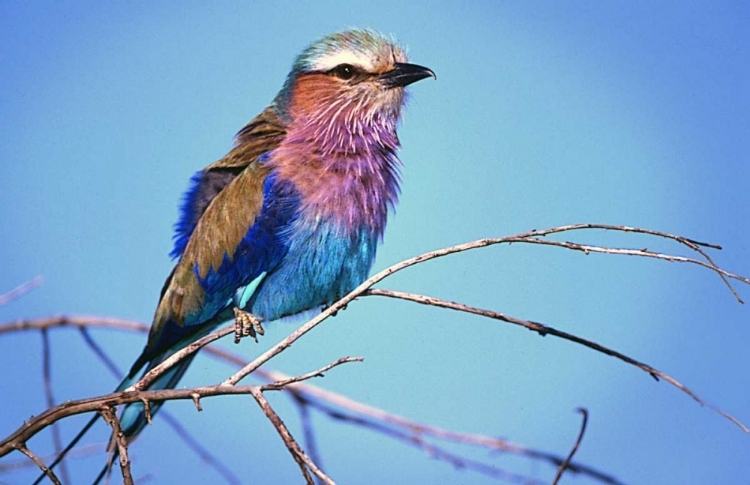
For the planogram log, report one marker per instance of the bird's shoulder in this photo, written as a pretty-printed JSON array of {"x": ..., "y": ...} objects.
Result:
[{"x": 261, "y": 135}]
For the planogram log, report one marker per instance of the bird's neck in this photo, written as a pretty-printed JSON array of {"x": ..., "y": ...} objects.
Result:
[{"x": 349, "y": 179}]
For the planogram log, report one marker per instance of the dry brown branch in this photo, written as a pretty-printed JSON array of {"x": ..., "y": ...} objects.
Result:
[
  {"x": 49, "y": 473},
  {"x": 229, "y": 386},
  {"x": 145, "y": 381},
  {"x": 291, "y": 445},
  {"x": 545, "y": 330},
  {"x": 88, "y": 405},
  {"x": 564, "y": 465},
  {"x": 119, "y": 440},
  {"x": 347, "y": 410},
  {"x": 176, "y": 426},
  {"x": 532, "y": 237}
]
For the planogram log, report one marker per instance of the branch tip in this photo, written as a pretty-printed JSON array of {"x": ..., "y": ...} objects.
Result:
[{"x": 197, "y": 401}]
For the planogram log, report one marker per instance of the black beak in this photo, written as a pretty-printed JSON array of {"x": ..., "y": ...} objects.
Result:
[{"x": 404, "y": 74}]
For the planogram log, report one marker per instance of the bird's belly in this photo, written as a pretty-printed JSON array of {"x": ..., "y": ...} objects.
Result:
[{"x": 320, "y": 267}]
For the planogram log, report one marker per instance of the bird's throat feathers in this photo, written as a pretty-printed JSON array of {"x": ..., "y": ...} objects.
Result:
[
  {"x": 340, "y": 154},
  {"x": 335, "y": 121}
]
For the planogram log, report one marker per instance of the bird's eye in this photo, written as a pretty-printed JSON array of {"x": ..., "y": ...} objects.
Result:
[{"x": 343, "y": 71}]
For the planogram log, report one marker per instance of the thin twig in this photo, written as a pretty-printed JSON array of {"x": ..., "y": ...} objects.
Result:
[
  {"x": 20, "y": 290},
  {"x": 545, "y": 330},
  {"x": 9, "y": 466},
  {"x": 565, "y": 464},
  {"x": 318, "y": 373},
  {"x": 586, "y": 248},
  {"x": 145, "y": 381},
  {"x": 120, "y": 441},
  {"x": 49, "y": 473},
  {"x": 50, "y": 400},
  {"x": 299, "y": 456},
  {"x": 308, "y": 432}
]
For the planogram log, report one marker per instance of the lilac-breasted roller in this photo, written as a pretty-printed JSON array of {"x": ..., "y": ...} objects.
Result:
[{"x": 289, "y": 220}]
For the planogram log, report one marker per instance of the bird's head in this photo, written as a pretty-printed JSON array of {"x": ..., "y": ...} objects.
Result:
[{"x": 347, "y": 86}]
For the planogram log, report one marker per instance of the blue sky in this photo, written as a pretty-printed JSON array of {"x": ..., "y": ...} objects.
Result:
[{"x": 543, "y": 114}]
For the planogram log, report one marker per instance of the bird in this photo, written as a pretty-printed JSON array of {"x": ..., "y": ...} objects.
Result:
[{"x": 290, "y": 218}]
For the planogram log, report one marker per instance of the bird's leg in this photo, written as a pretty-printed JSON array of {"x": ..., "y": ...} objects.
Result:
[{"x": 245, "y": 324}]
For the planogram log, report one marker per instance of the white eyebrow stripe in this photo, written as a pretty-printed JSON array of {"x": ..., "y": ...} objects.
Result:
[{"x": 357, "y": 59}]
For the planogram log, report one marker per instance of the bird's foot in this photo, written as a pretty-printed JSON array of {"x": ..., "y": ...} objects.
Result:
[
  {"x": 246, "y": 324},
  {"x": 336, "y": 312}
]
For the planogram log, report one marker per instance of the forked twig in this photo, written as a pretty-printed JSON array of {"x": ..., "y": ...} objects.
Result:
[{"x": 49, "y": 473}]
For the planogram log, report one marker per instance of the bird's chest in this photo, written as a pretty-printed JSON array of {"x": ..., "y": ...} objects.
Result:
[
  {"x": 323, "y": 264},
  {"x": 349, "y": 191}
]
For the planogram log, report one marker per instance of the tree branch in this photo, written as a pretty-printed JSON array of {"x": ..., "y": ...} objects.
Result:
[
  {"x": 545, "y": 330},
  {"x": 118, "y": 437},
  {"x": 229, "y": 386},
  {"x": 564, "y": 465}
]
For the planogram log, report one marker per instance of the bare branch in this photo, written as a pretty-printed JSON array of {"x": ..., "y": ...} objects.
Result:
[
  {"x": 299, "y": 456},
  {"x": 95, "y": 404},
  {"x": 49, "y": 473},
  {"x": 76, "y": 321},
  {"x": 145, "y": 381},
  {"x": 229, "y": 386},
  {"x": 119, "y": 439},
  {"x": 545, "y": 330},
  {"x": 178, "y": 428},
  {"x": 565, "y": 464},
  {"x": 318, "y": 373},
  {"x": 312, "y": 392}
]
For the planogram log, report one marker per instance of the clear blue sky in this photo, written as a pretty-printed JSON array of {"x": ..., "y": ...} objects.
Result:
[{"x": 544, "y": 113}]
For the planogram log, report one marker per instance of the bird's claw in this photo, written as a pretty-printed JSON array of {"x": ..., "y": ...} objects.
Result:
[
  {"x": 246, "y": 324},
  {"x": 336, "y": 312}
]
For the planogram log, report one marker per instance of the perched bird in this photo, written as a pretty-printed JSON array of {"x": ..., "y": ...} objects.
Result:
[{"x": 289, "y": 220}]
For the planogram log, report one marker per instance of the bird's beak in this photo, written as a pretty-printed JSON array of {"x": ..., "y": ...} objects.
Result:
[{"x": 404, "y": 74}]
